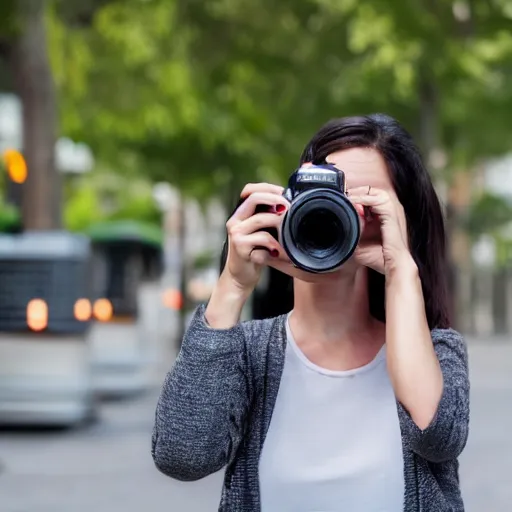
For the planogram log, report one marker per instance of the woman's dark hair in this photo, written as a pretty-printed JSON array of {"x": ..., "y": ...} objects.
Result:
[{"x": 414, "y": 189}]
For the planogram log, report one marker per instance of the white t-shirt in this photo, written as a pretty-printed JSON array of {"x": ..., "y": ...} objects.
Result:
[{"x": 334, "y": 442}]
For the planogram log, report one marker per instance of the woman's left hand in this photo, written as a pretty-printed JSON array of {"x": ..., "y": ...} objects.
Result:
[{"x": 391, "y": 249}]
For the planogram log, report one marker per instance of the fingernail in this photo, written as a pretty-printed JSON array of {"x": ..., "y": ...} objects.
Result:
[
  {"x": 280, "y": 208},
  {"x": 274, "y": 253}
]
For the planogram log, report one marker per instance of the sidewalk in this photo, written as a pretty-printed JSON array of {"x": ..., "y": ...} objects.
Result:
[{"x": 108, "y": 467}]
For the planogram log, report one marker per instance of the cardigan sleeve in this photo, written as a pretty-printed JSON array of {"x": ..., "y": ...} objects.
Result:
[
  {"x": 446, "y": 436},
  {"x": 204, "y": 402}
]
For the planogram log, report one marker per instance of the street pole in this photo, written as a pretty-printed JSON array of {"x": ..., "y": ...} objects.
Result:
[{"x": 183, "y": 271}]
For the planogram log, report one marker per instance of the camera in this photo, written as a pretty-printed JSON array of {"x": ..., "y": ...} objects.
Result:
[{"x": 321, "y": 229}]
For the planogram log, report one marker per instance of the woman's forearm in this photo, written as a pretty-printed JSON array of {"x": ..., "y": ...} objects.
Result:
[
  {"x": 226, "y": 303},
  {"x": 203, "y": 405},
  {"x": 412, "y": 362}
]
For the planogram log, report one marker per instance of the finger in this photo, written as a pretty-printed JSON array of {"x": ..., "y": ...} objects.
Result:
[
  {"x": 364, "y": 211},
  {"x": 366, "y": 190},
  {"x": 245, "y": 245},
  {"x": 359, "y": 191},
  {"x": 371, "y": 200},
  {"x": 248, "y": 207},
  {"x": 260, "y": 257},
  {"x": 360, "y": 209},
  {"x": 402, "y": 222},
  {"x": 365, "y": 205},
  {"x": 259, "y": 222},
  {"x": 251, "y": 188},
  {"x": 374, "y": 205}
]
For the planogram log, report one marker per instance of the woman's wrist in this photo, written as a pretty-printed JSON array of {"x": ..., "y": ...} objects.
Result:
[
  {"x": 226, "y": 303},
  {"x": 402, "y": 269}
]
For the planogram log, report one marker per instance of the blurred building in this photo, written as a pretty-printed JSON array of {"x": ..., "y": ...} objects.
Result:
[
  {"x": 489, "y": 290},
  {"x": 70, "y": 157},
  {"x": 194, "y": 234},
  {"x": 497, "y": 177}
]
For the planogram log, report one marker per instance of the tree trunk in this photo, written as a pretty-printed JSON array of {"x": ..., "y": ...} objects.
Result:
[
  {"x": 33, "y": 81},
  {"x": 430, "y": 143},
  {"x": 429, "y": 118},
  {"x": 459, "y": 198}
]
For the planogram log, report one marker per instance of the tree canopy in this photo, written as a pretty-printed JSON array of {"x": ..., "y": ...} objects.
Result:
[
  {"x": 200, "y": 93},
  {"x": 208, "y": 95}
]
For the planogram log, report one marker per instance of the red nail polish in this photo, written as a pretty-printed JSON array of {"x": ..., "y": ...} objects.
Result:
[
  {"x": 280, "y": 208},
  {"x": 274, "y": 253}
]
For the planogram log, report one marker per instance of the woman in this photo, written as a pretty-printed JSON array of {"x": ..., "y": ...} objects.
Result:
[{"x": 358, "y": 400}]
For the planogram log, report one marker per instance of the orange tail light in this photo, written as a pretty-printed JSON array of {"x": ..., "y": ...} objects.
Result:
[
  {"x": 103, "y": 310},
  {"x": 82, "y": 310},
  {"x": 172, "y": 299},
  {"x": 37, "y": 315}
]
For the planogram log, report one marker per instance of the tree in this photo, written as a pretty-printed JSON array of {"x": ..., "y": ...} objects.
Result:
[
  {"x": 24, "y": 49},
  {"x": 231, "y": 79},
  {"x": 209, "y": 95}
]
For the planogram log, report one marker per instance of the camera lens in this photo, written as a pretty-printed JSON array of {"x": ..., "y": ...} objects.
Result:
[{"x": 320, "y": 231}]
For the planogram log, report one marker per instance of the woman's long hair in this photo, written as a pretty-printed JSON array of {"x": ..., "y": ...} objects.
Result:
[{"x": 414, "y": 189}]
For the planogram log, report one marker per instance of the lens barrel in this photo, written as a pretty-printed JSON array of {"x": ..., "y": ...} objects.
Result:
[{"x": 320, "y": 230}]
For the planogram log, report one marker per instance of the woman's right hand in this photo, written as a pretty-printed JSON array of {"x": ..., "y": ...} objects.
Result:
[{"x": 249, "y": 248}]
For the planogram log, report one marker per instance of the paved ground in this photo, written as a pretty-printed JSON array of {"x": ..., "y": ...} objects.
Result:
[{"x": 108, "y": 468}]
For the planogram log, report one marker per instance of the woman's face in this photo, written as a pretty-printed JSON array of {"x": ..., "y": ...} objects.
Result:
[{"x": 363, "y": 168}]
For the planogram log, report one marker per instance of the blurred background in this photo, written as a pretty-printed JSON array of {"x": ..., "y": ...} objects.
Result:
[{"x": 127, "y": 129}]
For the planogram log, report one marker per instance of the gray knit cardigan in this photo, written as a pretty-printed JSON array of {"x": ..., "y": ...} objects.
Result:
[{"x": 216, "y": 405}]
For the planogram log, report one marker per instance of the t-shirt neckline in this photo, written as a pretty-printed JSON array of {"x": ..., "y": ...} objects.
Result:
[{"x": 324, "y": 371}]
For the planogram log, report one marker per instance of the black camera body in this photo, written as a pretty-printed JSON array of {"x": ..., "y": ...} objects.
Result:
[
  {"x": 321, "y": 229},
  {"x": 314, "y": 177}
]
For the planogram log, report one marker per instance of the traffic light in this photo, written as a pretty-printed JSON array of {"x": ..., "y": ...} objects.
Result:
[
  {"x": 15, "y": 165},
  {"x": 16, "y": 170}
]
